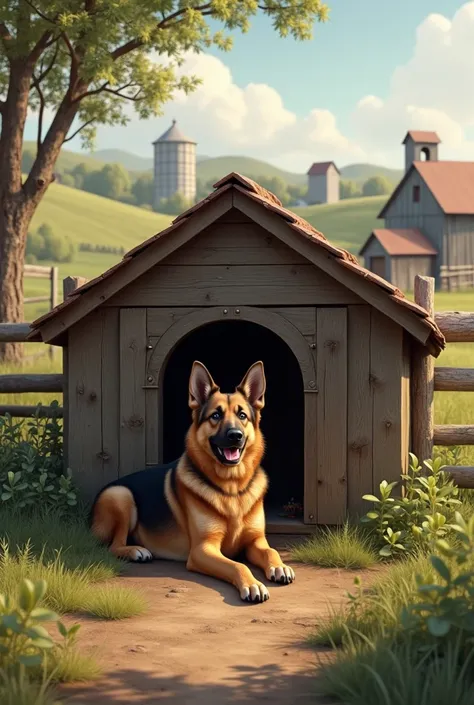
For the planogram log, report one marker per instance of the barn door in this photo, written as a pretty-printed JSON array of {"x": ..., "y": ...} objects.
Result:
[{"x": 331, "y": 414}]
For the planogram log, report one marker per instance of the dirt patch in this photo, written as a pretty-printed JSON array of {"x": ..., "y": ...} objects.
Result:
[{"x": 199, "y": 644}]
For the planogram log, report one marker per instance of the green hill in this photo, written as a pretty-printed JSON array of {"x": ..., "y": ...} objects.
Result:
[
  {"x": 362, "y": 172},
  {"x": 347, "y": 223},
  {"x": 217, "y": 167}
]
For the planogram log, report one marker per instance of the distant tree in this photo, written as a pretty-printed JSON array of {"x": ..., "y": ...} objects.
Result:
[
  {"x": 204, "y": 188},
  {"x": 112, "y": 181},
  {"x": 54, "y": 248},
  {"x": 34, "y": 246},
  {"x": 297, "y": 193},
  {"x": 277, "y": 186},
  {"x": 142, "y": 189},
  {"x": 349, "y": 189},
  {"x": 79, "y": 173},
  {"x": 67, "y": 180},
  {"x": 27, "y": 160},
  {"x": 377, "y": 186},
  {"x": 174, "y": 205}
]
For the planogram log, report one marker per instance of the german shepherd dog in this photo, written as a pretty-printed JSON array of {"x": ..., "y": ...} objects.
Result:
[{"x": 206, "y": 507}]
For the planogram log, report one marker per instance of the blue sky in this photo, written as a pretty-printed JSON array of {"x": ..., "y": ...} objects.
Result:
[
  {"x": 376, "y": 69},
  {"x": 352, "y": 55}
]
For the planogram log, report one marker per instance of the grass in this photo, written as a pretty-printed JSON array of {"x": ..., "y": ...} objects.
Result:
[
  {"x": 345, "y": 548},
  {"x": 77, "y": 569},
  {"x": 347, "y": 223},
  {"x": 387, "y": 673}
]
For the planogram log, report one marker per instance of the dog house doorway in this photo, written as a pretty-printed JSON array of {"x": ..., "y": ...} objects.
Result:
[{"x": 228, "y": 348}]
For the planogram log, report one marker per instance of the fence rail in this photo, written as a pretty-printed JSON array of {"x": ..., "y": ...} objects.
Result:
[
  {"x": 457, "y": 327},
  {"x": 456, "y": 276}
]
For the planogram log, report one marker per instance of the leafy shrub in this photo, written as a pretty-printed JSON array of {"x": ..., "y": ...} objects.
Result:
[
  {"x": 419, "y": 517},
  {"x": 31, "y": 465},
  {"x": 28, "y": 654},
  {"x": 445, "y": 601},
  {"x": 423, "y": 654}
]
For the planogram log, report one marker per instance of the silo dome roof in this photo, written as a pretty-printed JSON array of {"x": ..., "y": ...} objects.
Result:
[{"x": 174, "y": 134}]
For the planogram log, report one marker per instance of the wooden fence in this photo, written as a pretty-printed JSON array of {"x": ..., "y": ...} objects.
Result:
[
  {"x": 457, "y": 327},
  {"x": 458, "y": 276},
  {"x": 39, "y": 272}
]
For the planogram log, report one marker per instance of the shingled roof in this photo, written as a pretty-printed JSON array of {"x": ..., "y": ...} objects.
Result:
[
  {"x": 401, "y": 241},
  {"x": 451, "y": 183},
  {"x": 236, "y": 183},
  {"x": 425, "y": 136}
]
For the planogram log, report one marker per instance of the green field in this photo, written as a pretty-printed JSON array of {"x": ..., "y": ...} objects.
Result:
[{"x": 347, "y": 223}]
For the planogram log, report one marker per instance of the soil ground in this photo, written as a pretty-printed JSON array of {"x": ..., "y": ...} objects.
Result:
[{"x": 199, "y": 644}]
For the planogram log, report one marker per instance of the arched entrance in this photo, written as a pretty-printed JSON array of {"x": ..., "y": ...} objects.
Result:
[{"x": 228, "y": 348}]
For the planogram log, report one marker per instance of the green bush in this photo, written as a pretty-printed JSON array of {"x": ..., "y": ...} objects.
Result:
[
  {"x": 44, "y": 244},
  {"x": 29, "y": 656},
  {"x": 31, "y": 465},
  {"x": 417, "y": 518},
  {"x": 417, "y": 653}
]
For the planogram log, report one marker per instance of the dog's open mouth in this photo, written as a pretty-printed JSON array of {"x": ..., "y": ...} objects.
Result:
[{"x": 227, "y": 456}]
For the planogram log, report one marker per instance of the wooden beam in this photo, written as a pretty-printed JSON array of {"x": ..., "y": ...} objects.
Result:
[
  {"x": 451, "y": 435},
  {"x": 454, "y": 379},
  {"x": 29, "y": 411},
  {"x": 36, "y": 269},
  {"x": 423, "y": 379},
  {"x": 21, "y": 383},
  {"x": 14, "y": 332},
  {"x": 463, "y": 475},
  {"x": 456, "y": 326},
  {"x": 37, "y": 299}
]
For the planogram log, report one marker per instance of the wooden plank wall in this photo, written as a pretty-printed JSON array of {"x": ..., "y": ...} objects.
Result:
[
  {"x": 331, "y": 428},
  {"x": 133, "y": 341},
  {"x": 90, "y": 359}
]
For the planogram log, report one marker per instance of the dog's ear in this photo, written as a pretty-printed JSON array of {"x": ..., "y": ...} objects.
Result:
[
  {"x": 253, "y": 386},
  {"x": 201, "y": 385}
]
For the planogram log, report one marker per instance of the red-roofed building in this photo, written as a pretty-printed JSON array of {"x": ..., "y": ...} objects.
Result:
[
  {"x": 323, "y": 183},
  {"x": 429, "y": 220}
]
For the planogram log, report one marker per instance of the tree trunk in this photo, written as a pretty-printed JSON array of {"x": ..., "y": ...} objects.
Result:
[
  {"x": 14, "y": 220},
  {"x": 18, "y": 201}
]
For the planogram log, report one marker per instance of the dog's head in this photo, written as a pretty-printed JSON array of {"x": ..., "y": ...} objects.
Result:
[{"x": 226, "y": 426}]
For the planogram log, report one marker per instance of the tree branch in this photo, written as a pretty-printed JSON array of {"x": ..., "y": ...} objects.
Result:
[
  {"x": 174, "y": 19},
  {"x": 41, "y": 14},
  {"x": 94, "y": 91},
  {"x": 89, "y": 122},
  {"x": 36, "y": 84}
]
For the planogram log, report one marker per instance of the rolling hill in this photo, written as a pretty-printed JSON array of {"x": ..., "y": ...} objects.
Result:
[
  {"x": 347, "y": 223},
  {"x": 362, "y": 172}
]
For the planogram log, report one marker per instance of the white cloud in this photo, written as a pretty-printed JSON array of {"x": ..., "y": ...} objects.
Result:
[{"x": 432, "y": 91}]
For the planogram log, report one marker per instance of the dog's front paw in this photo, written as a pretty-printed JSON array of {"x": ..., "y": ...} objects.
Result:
[
  {"x": 257, "y": 592},
  {"x": 138, "y": 554},
  {"x": 281, "y": 574}
]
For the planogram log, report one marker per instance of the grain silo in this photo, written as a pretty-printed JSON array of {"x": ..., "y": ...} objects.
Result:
[{"x": 174, "y": 166}]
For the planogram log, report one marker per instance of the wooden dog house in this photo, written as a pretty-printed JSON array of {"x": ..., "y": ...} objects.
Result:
[{"x": 235, "y": 279}]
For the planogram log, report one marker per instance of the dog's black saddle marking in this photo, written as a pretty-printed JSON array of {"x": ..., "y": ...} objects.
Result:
[{"x": 148, "y": 490}]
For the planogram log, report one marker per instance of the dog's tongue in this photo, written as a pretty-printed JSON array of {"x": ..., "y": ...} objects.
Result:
[{"x": 231, "y": 453}]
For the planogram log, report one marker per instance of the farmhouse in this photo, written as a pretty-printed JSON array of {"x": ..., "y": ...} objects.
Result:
[
  {"x": 323, "y": 183},
  {"x": 429, "y": 220},
  {"x": 235, "y": 279}
]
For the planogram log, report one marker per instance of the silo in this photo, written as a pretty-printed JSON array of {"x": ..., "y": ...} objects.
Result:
[{"x": 174, "y": 166}]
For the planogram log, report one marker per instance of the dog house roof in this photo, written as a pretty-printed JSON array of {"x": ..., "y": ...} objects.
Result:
[{"x": 235, "y": 187}]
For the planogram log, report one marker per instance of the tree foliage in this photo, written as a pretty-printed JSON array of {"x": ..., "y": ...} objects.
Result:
[
  {"x": 349, "y": 189},
  {"x": 377, "y": 186}
]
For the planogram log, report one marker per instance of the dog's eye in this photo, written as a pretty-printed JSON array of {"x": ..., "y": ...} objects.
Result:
[
  {"x": 215, "y": 416},
  {"x": 242, "y": 415}
]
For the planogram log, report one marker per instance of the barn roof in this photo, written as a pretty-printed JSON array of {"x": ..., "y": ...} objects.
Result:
[
  {"x": 321, "y": 168},
  {"x": 237, "y": 191},
  {"x": 422, "y": 136},
  {"x": 401, "y": 241},
  {"x": 451, "y": 183}
]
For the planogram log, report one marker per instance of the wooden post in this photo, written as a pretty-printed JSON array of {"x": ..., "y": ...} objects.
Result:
[
  {"x": 423, "y": 379},
  {"x": 72, "y": 283},
  {"x": 53, "y": 300}
]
